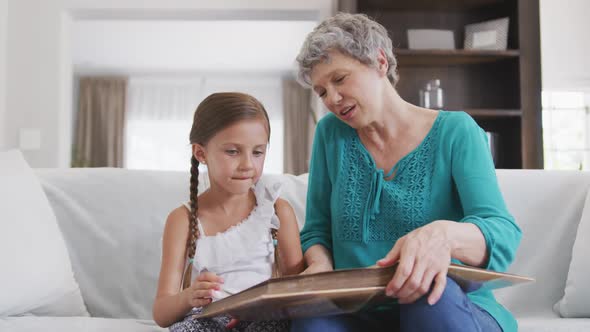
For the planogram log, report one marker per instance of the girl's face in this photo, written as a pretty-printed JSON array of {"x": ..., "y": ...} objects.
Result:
[
  {"x": 350, "y": 89},
  {"x": 235, "y": 155}
]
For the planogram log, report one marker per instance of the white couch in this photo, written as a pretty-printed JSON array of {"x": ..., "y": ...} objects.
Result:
[{"x": 112, "y": 221}]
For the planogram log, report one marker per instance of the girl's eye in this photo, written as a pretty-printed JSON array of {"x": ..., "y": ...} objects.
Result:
[
  {"x": 321, "y": 95},
  {"x": 231, "y": 152},
  {"x": 258, "y": 153},
  {"x": 340, "y": 79}
]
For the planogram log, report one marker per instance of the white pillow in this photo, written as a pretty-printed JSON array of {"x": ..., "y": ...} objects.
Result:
[
  {"x": 36, "y": 273},
  {"x": 576, "y": 300}
]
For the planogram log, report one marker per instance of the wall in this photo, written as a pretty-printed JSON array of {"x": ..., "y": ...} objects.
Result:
[
  {"x": 38, "y": 64},
  {"x": 565, "y": 45},
  {"x": 3, "y": 24}
]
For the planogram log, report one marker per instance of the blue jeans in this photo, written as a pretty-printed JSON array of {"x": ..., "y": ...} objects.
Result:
[{"x": 453, "y": 312}]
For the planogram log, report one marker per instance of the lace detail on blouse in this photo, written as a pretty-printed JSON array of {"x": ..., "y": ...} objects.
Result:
[{"x": 380, "y": 210}]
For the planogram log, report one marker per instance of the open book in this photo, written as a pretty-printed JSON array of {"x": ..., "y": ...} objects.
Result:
[{"x": 335, "y": 292}]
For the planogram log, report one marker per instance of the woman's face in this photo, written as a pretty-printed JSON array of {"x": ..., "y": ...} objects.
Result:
[{"x": 350, "y": 89}]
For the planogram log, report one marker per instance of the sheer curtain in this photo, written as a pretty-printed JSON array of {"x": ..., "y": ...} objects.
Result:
[{"x": 160, "y": 112}]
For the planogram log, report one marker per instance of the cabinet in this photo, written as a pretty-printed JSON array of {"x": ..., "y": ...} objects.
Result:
[{"x": 501, "y": 90}]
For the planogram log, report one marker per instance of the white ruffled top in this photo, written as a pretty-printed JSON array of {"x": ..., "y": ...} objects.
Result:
[{"x": 243, "y": 255}]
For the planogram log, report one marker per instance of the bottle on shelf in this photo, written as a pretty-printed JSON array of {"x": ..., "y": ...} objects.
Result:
[{"x": 432, "y": 95}]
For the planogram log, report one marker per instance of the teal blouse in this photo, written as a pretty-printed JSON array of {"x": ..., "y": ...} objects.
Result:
[{"x": 358, "y": 216}]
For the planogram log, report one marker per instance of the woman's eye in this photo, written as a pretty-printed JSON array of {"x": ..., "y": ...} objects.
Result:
[
  {"x": 340, "y": 79},
  {"x": 322, "y": 95}
]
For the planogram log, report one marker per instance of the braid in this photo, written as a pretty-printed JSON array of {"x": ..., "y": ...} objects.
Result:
[
  {"x": 276, "y": 268},
  {"x": 193, "y": 227}
]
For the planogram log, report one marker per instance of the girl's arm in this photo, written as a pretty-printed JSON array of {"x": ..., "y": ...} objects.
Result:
[
  {"x": 291, "y": 257},
  {"x": 171, "y": 304}
]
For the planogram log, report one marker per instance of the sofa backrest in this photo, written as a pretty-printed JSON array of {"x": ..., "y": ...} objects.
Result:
[
  {"x": 112, "y": 221},
  {"x": 548, "y": 206}
]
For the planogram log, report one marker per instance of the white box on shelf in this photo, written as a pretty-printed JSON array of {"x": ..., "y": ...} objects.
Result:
[{"x": 431, "y": 39}]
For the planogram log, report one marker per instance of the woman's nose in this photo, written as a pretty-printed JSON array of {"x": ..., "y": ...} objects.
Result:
[{"x": 334, "y": 98}]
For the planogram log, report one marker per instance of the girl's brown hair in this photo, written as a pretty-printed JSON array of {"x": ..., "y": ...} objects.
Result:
[{"x": 215, "y": 113}]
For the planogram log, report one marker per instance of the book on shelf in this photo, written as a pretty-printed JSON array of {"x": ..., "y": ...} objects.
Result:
[{"x": 336, "y": 292}]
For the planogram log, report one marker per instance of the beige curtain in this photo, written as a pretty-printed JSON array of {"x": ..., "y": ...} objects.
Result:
[
  {"x": 299, "y": 127},
  {"x": 100, "y": 122}
]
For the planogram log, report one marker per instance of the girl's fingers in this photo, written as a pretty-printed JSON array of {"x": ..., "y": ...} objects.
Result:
[
  {"x": 200, "y": 302},
  {"x": 232, "y": 323},
  {"x": 209, "y": 276},
  {"x": 206, "y": 285},
  {"x": 203, "y": 294}
]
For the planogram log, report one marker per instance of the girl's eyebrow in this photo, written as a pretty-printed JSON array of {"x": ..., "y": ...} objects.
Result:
[{"x": 241, "y": 145}]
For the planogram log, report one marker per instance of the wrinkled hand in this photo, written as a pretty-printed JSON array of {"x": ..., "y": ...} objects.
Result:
[
  {"x": 424, "y": 256},
  {"x": 317, "y": 268},
  {"x": 200, "y": 293}
]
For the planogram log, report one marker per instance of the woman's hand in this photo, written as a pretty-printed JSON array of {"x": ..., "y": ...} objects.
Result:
[
  {"x": 424, "y": 256},
  {"x": 200, "y": 293}
]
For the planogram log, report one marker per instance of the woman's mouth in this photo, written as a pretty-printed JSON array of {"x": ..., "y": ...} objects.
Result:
[{"x": 346, "y": 113}]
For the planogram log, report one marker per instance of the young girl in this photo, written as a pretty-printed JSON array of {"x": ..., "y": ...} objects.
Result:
[{"x": 226, "y": 236}]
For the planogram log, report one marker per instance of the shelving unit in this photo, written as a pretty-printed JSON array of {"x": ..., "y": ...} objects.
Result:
[{"x": 501, "y": 90}]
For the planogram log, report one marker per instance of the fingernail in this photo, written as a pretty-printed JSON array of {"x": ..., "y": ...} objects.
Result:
[{"x": 389, "y": 292}]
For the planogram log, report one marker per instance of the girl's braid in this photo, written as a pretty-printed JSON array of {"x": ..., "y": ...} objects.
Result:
[{"x": 193, "y": 227}]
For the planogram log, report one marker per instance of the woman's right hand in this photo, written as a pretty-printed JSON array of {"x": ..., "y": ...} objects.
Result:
[{"x": 200, "y": 293}]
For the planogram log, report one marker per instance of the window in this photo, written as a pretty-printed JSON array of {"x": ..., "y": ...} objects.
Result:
[
  {"x": 160, "y": 113},
  {"x": 566, "y": 130}
]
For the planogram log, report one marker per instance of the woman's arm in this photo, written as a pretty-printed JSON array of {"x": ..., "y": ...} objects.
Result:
[
  {"x": 291, "y": 257},
  {"x": 318, "y": 259},
  {"x": 483, "y": 206},
  {"x": 467, "y": 242}
]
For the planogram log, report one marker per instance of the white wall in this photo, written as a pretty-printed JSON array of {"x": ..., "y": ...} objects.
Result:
[
  {"x": 565, "y": 44},
  {"x": 3, "y": 23},
  {"x": 38, "y": 68}
]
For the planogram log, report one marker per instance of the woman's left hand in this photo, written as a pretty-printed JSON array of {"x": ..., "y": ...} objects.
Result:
[{"x": 424, "y": 256}]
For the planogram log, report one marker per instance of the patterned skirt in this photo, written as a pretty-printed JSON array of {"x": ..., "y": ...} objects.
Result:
[{"x": 218, "y": 323}]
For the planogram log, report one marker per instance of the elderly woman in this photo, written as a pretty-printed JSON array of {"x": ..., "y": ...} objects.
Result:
[{"x": 393, "y": 182}]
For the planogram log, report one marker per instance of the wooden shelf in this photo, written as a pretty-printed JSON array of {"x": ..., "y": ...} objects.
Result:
[
  {"x": 413, "y": 58},
  {"x": 426, "y": 5},
  {"x": 493, "y": 113}
]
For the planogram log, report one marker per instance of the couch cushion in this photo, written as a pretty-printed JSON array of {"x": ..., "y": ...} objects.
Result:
[
  {"x": 112, "y": 221},
  {"x": 547, "y": 205},
  {"x": 550, "y": 323},
  {"x": 76, "y": 324},
  {"x": 576, "y": 301},
  {"x": 36, "y": 273}
]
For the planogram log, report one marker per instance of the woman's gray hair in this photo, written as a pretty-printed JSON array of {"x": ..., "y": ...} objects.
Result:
[{"x": 355, "y": 35}]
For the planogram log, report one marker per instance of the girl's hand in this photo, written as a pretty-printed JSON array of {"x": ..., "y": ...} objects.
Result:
[
  {"x": 424, "y": 256},
  {"x": 317, "y": 268},
  {"x": 200, "y": 293}
]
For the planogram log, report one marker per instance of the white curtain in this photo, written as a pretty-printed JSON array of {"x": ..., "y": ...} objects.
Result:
[{"x": 160, "y": 114}]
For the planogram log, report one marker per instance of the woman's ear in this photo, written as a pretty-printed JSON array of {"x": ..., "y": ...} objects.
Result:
[
  {"x": 382, "y": 63},
  {"x": 200, "y": 153}
]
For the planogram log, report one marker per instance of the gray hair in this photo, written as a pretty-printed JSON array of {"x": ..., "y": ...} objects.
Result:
[{"x": 355, "y": 35}]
